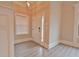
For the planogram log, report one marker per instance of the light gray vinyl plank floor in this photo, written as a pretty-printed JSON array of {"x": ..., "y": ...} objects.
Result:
[{"x": 31, "y": 49}]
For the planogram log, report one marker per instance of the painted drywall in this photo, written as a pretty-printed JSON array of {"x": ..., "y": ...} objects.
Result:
[
  {"x": 6, "y": 32},
  {"x": 55, "y": 19},
  {"x": 67, "y": 26}
]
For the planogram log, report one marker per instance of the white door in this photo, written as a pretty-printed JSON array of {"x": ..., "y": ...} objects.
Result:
[
  {"x": 37, "y": 29},
  {"x": 5, "y": 31}
]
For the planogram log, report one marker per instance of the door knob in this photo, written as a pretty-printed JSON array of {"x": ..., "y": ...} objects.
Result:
[{"x": 39, "y": 29}]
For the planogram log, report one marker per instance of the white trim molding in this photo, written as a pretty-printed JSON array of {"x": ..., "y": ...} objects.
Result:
[
  {"x": 22, "y": 40},
  {"x": 73, "y": 44},
  {"x": 51, "y": 45}
]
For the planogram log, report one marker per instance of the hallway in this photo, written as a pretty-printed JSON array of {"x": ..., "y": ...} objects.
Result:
[{"x": 31, "y": 49}]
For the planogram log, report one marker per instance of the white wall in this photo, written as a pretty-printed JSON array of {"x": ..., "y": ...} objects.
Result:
[
  {"x": 67, "y": 27},
  {"x": 54, "y": 23}
]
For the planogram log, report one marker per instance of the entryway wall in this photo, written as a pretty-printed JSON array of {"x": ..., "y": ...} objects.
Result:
[
  {"x": 67, "y": 25},
  {"x": 62, "y": 24},
  {"x": 6, "y": 29},
  {"x": 69, "y": 17},
  {"x": 42, "y": 11}
]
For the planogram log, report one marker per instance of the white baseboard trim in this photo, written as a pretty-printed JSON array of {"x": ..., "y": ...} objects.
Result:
[
  {"x": 22, "y": 40},
  {"x": 53, "y": 44},
  {"x": 73, "y": 44}
]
